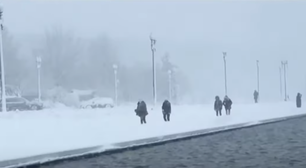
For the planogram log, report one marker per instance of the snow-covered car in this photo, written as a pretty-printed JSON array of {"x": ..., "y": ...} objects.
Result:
[
  {"x": 21, "y": 104},
  {"x": 98, "y": 102}
]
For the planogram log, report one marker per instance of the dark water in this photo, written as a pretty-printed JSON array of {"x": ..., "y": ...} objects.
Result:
[{"x": 278, "y": 145}]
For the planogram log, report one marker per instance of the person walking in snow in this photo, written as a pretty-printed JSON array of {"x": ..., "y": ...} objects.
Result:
[
  {"x": 299, "y": 100},
  {"x": 166, "y": 107},
  {"x": 218, "y": 106},
  {"x": 256, "y": 94},
  {"x": 227, "y": 102},
  {"x": 141, "y": 111}
]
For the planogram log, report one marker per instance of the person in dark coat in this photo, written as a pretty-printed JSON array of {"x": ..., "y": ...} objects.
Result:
[
  {"x": 299, "y": 100},
  {"x": 142, "y": 111},
  {"x": 227, "y": 102},
  {"x": 218, "y": 106},
  {"x": 166, "y": 107},
  {"x": 256, "y": 94}
]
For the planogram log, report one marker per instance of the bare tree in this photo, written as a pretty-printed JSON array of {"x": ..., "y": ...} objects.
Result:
[
  {"x": 100, "y": 57},
  {"x": 14, "y": 67},
  {"x": 60, "y": 53}
]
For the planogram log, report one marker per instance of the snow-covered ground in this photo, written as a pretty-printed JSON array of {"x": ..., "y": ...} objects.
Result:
[{"x": 32, "y": 133}]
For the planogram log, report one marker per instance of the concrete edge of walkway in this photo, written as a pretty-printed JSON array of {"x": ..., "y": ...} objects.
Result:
[{"x": 94, "y": 151}]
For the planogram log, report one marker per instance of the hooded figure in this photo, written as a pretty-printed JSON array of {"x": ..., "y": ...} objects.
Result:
[
  {"x": 227, "y": 102},
  {"x": 299, "y": 100},
  {"x": 256, "y": 94},
  {"x": 166, "y": 107},
  {"x": 218, "y": 106},
  {"x": 141, "y": 111}
]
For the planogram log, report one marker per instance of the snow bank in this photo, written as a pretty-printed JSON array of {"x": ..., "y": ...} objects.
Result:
[{"x": 38, "y": 132}]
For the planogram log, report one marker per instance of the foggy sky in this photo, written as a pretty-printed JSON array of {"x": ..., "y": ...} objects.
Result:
[{"x": 194, "y": 33}]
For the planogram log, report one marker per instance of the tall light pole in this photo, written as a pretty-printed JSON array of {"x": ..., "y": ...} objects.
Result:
[
  {"x": 225, "y": 77},
  {"x": 3, "y": 95},
  {"x": 257, "y": 63},
  {"x": 153, "y": 49},
  {"x": 280, "y": 81},
  {"x": 284, "y": 65},
  {"x": 170, "y": 84},
  {"x": 116, "y": 83},
  {"x": 38, "y": 65}
]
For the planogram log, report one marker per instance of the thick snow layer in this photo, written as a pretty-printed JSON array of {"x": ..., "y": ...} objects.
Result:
[{"x": 39, "y": 132}]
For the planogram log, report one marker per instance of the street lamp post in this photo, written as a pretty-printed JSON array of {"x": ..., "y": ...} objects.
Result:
[
  {"x": 257, "y": 63},
  {"x": 280, "y": 82},
  {"x": 3, "y": 93},
  {"x": 153, "y": 49},
  {"x": 38, "y": 65},
  {"x": 116, "y": 83},
  {"x": 284, "y": 65},
  {"x": 170, "y": 84},
  {"x": 225, "y": 77}
]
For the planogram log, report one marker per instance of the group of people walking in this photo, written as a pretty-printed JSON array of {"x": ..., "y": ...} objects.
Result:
[
  {"x": 142, "y": 111},
  {"x": 227, "y": 103}
]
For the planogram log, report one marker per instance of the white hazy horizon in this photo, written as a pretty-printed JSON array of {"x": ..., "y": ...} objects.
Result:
[{"x": 194, "y": 33}]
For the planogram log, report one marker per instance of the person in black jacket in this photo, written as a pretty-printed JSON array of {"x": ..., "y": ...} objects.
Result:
[
  {"x": 142, "y": 111},
  {"x": 227, "y": 102},
  {"x": 218, "y": 106},
  {"x": 299, "y": 100},
  {"x": 256, "y": 94},
  {"x": 166, "y": 107}
]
